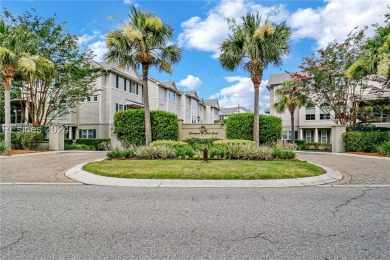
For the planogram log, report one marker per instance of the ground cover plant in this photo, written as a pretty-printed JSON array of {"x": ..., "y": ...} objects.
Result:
[{"x": 197, "y": 169}]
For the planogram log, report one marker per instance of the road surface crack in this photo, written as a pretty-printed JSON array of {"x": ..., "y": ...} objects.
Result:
[
  {"x": 338, "y": 207},
  {"x": 261, "y": 235},
  {"x": 17, "y": 241}
]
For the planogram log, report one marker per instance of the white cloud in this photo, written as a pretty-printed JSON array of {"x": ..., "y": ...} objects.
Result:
[
  {"x": 99, "y": 48},
  {"x": 336, "y": 19},
  {"x": 127, "y": 1},
  {"x": 207, "y": 34},
  {"x": 241, "y": 92},
  {"x": 190, "y": 82}
]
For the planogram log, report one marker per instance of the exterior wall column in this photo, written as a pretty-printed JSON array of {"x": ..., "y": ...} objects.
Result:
[
  {"x": 70, "y": 135},
  {"x": 180, "y": 122},
  {"x": 56, "y": 138},
  {"x": 316, "y": 135},
  {"x": 300, "y": 133},
  {"x": 337, "y": 140}
]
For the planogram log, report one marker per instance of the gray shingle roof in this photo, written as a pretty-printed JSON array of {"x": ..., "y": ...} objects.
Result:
[
  {"x": 192, "y": 94},
  {"x": 277, "y": 79},
  {"x": 212, "y": 102}
]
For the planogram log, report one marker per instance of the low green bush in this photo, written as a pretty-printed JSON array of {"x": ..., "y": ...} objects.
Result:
[
  {"x": 169, "y": 143},
  {"x": 229, "y": 142},
  {"x": 26, "y": 140},
  {"x": 283, "y": 154},
  {"x": 4, "y": 150},
  {"x": 248, "y": 152},
  {"x": 154, "y": 152},
  {"x": 201, "y": 143},
  {"x": 318, "y": 146},
  {"x": 68, "y": 141},
  {"x": 301, "y": 144},
  {"x": 83, "y": 147},
  {"x": 121, "y": 154},
  {"x": 99, "y": 144},
  {"x": 384, "y": 148},
  {"x": 364, "y": 141}
]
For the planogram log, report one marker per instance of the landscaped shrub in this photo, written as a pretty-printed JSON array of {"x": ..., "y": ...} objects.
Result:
[
  {"x": 318, "y": 146},
  {"x": 283, "y": 154},
  {"x": 4, "y": 150},
  {"x": 301, "y": 144},
  {"x": 130, "y": 126},
  {"x": 384, "y": 148},
  {"x": 170, "y": 143},
  {"x": 240, "y": 126},
  {"x": 26, "y": 140},
  {"x": 154, "y": 152},
  {"x": 68, "y": 141},
  {"x": 201, "y": 143},
  {"x": 83, "y": 147},
  {"x": 364, "y": 141},
  {"x": 248, "y": 152},
  {"x": 121, "y": 154},
  {"x": 225, "y": 143},
  {"x": 98, "y": 143}
]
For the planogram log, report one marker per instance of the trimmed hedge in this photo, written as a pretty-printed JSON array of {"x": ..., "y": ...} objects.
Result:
[
  {"x": 68, "y": 141},
  {"x": 240, "y": 126},
  {"x": 384, "y": 148},
  {"x": 318, "y": 146},
  {"x": 130, "y": 126},
  {"x": 364, "y": 141},
  {"x": 94, "y": 142},
  {"x": 83, "y": 147}
]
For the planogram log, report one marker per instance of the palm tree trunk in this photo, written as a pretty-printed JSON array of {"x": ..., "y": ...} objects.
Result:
[
  {"x": 7, "y": 123},
  {"x": 256, "y": 116},
  {"x": 292, "y": 127},
  {"x": 145, "y": 96}
]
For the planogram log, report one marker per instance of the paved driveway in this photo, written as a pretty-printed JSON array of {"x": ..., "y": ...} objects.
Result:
[
  {"x": 43, "y": 168},
  {"x": 355, "y": 170}
]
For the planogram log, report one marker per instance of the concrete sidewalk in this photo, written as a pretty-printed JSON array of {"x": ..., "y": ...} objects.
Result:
[{"x": 77, "y": 174}]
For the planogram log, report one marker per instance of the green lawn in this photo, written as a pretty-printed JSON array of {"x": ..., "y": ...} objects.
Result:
[{"x": 193, "y": 169}]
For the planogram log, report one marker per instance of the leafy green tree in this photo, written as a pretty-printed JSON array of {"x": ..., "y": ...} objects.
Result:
[
  {"x": 290, "y": 97},
  {"x": 57, "y": 75},
  {"x": 143, "y": 41},
  {"x": 254, "y": 44}
]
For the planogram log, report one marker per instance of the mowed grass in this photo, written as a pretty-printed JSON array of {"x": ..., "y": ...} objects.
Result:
[{"x": 193, "y": 169}]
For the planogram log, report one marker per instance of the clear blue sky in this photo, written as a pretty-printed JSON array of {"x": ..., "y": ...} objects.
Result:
[{"x": 199, "y": 27}]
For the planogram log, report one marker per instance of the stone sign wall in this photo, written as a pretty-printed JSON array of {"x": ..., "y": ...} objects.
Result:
[{"x": 201, "y": 131}]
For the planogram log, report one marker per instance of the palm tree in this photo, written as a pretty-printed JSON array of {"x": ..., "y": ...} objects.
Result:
[
  {"x": 14, "y": 46},
  {"x": 290, "y": 97},
  {"x": 254, "y": 45},
  {"x": 375, "y": 58},
  {"x": 143, "y": 42}
]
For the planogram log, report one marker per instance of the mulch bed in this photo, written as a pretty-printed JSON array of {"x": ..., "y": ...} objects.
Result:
[{"x": 370, "y": 154}]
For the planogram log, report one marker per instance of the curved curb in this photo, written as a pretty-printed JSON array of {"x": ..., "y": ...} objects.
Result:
[
  {"x": 346, "y": 154},
  {"x": 76, "y": 173}
]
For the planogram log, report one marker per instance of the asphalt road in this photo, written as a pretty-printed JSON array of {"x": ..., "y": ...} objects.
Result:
[{"x": 92, "y": 222}]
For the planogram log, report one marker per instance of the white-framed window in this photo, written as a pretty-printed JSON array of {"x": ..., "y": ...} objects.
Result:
[
  {"x": 133, "y": 87},
  {"x": 119, "y": 107},
  {"x": 171, "y": 96},
  {"x": 324, "y": 136},
  {"x": 88, "y": 133},
  {"x": 95, "y": 98},
  {"x": 286, "y": 135},
  {"x": 193, "y": 119},
  {"x": 120, "y": 83},
  {"x": 88, "y": 99},
  {"x": 325, "y": 112},
  {"x": 310, "y": 113},
  {"x": 309, "y": 135}
]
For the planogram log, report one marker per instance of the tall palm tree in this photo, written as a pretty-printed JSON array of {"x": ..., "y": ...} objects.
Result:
[
  {"x": 375, "y": 58},
  {"x": 143, "y": 42},
  {"x": 291, "y": 98},
  {"x": 14, "y": 46},
  {"x": 254, "y": 45}
]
